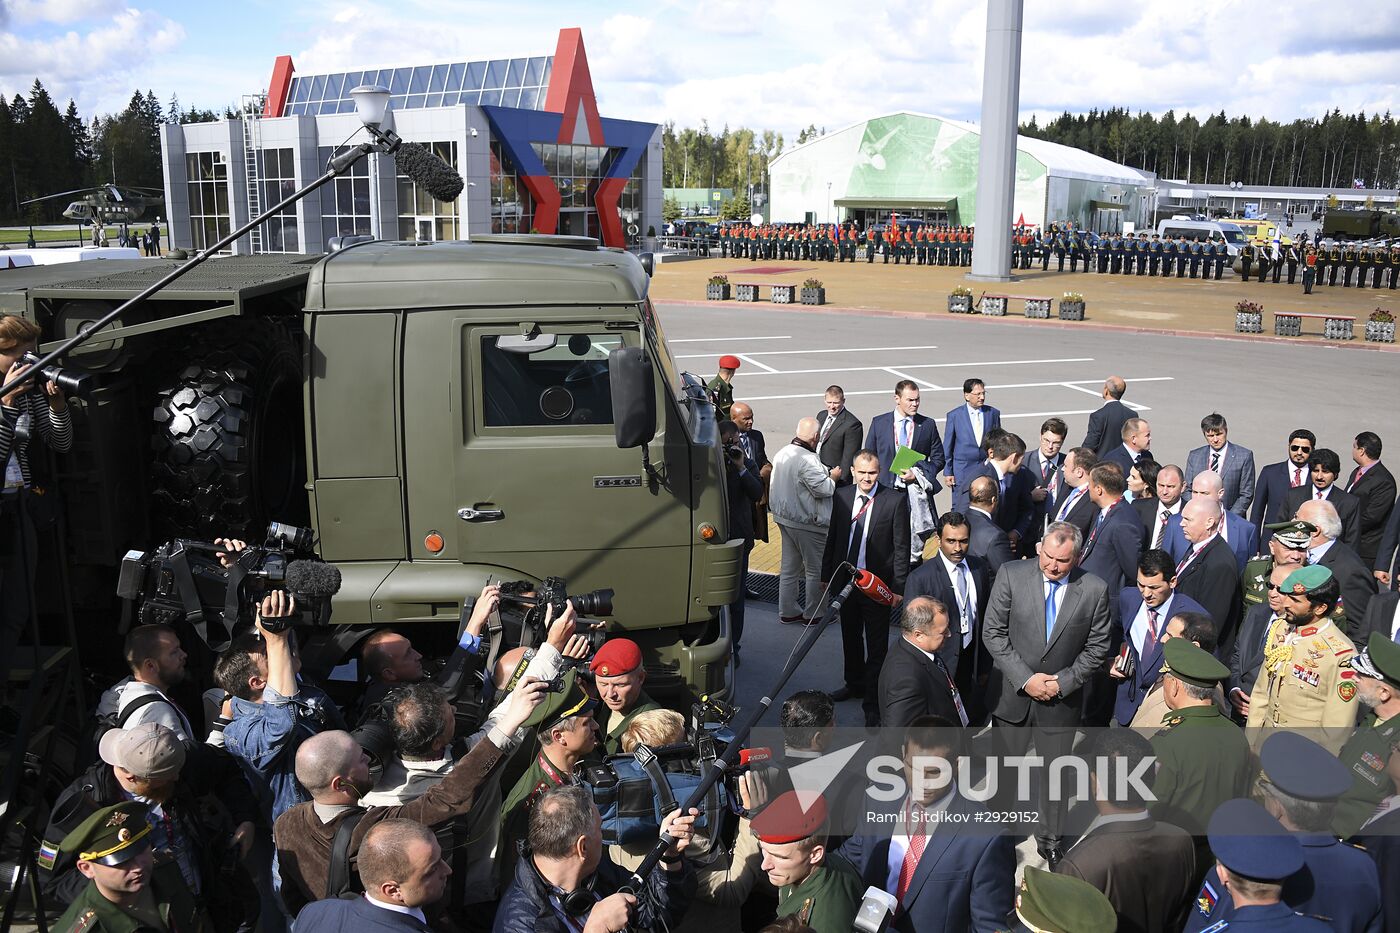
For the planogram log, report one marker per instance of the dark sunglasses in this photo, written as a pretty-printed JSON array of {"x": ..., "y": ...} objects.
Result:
[{"x": 1299, "y": 448}]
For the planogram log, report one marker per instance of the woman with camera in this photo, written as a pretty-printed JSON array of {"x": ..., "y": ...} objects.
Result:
[{"x": 35, "y": 410}]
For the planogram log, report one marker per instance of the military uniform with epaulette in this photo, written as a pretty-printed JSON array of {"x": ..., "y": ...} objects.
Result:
[
  {"x": 1368, "y": 751},
  {"x": 1363, "y": 265},
  {"x": 722, "y": 395},
  {"x": 1394, "y": 266},
  {"x": 1348, "y": 265},
  {"x": 1246, "y": 260},
  {"x": 828, "y": 899},
  {"x": 1334, "y": 262}
]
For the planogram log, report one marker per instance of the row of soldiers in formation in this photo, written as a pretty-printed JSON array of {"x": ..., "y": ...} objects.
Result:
[
  {"x": 928, "y": 245},
  {"x": 1322, "y": 263},
  {"x": 1115, "y": 254}
]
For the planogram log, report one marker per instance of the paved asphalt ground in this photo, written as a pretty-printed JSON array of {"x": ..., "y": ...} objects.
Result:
[{"x": 1264, "y": 388}]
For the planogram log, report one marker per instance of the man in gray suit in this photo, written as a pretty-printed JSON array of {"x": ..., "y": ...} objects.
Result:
[
  {"x": 1234, "y": 463},
  {"x": 1047, "y": 629}
]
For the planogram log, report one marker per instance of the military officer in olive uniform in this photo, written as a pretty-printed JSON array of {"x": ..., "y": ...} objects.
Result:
[
  {"x": 1368, "y": 750},
  {"x": 722, "y": 387},
  {"x": 1348, "y": 265},
  {"x": 128, "y": 891},
  {"x": 814, "y": 884},
  {"x": 1306, "y": 679},
  {"x": 619, "y": 675},
  {"x": 1288, "y": 544},
  {"x": 1203, "y": 758},
  {"x": 1053, "y": 903}
]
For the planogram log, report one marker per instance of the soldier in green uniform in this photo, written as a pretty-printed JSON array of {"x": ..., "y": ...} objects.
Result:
[
  {"x": 567, "y": 734},
  {"x": 816, "y": 885},
  {"x": 721, "y": 387},
  {"x": 1203, "y": 757},
  {"x": 1377, "y": 679},
  {"x": 1052, "y": 903},
  {"x": 128, "y": 891},
  {"x": 618, "y": 673},
  {"x": 1287, "y": 546}
]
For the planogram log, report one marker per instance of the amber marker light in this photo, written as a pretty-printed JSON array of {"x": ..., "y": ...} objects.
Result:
[
  {"x": 708, "y": 532},
  {"x": 434, "y": 543}
]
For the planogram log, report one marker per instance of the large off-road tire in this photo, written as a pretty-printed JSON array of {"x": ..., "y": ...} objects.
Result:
[{"x": 228, "y": 443}]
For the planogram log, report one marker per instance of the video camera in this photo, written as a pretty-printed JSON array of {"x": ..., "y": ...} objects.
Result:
[{"x": 184, "y": 580}]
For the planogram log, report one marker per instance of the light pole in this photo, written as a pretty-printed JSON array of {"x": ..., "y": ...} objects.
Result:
[
  {"x": 996, "y": 163},
  {"x": 828, "y": 202}
]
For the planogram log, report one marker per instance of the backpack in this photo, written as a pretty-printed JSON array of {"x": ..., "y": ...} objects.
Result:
[{"x": 117, "y": 719}]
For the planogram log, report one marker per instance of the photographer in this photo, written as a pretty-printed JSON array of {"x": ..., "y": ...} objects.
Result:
[
  {"x": 334, "y": 769},
  {"x": 564, "y": 883},
  {"x": 745, "y": 487},
  {"x": 618, "y": 674},
  {"x": 34, "y": 410}
]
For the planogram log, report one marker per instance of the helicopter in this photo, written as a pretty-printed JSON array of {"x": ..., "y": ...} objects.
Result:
[{"x": 105, "y": 204}]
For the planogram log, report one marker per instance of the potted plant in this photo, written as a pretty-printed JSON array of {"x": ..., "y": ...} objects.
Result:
[
  {"x": 717, "y": 289},
  {"x": 1380, "y": 326},
  {"x": 1072, "y": 306},
  {"x": 1249, "y": 317},
  {"x": 813, "y": 292},
  {"x": 1038, "y": 307},
  {"x": 960, "y": 300}
]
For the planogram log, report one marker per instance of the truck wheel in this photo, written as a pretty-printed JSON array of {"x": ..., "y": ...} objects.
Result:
[{"x": 229, "y": 450}]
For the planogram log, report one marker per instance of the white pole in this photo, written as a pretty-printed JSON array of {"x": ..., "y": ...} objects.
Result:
[{"x": 996, "y": 167}]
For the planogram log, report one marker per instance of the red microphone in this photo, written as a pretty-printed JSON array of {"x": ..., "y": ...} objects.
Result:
[
  {"x": 754, "y": 756},
  {"x": 874, "y": 588}
]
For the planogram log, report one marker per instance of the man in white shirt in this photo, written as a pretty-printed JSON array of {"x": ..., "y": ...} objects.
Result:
[
  {"x": 157, "y": 664},
  {"x": 1157, "y": 510}
]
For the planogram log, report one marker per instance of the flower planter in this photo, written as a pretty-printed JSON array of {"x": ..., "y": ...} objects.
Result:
[
  {"x": 1038, "y": 307},
  {"x": 1247, "y": 322},
  {"x": 717, "y": 292},
  {"x": 746, "y": 293},
  {"x": 1380, "y": 331},
  {"x": 1071, "y": 310},
  {"x": 993, "y": 306},
  {"x": 782, "y": 294},
  {"x": 814, "y": 296},
  {"x": 1337, "y": 329},
  {"x": 959, "y": 304}
]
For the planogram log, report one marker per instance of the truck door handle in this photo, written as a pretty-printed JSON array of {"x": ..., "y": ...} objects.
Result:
[{"x": 481, "y": 515}]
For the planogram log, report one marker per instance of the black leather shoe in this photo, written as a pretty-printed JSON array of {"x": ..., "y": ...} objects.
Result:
[{"x": 846, "y": 693}]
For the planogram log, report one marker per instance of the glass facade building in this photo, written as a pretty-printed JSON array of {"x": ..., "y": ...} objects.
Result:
[{"x": 505, "y": 82}]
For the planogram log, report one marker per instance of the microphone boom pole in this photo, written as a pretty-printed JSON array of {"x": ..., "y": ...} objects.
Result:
[{"x": 723, "y": 763}]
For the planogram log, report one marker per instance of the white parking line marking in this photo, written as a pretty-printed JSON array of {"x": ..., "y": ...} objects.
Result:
[
  {"x": 922, "y": 383},
  {"x": 919, "y": 366},
  {"x": 753, "y": 362},
  {"x": 804, "y": 352},
  {"x": 1016, "y": 385},
  {"x": 1077, "y": 388},
  {"x": 725, "y": 339}
]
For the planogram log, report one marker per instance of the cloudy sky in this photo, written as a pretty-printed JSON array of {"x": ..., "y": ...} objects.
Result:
[{"x": 780, "y": 64}]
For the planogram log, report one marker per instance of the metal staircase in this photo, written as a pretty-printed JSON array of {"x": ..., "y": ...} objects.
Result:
[{"x": 252, "y": 111}]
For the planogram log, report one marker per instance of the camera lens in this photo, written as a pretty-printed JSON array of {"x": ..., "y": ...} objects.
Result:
[{"x": 596, "y": 603}]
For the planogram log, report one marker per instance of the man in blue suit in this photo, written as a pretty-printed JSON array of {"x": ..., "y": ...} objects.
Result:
[
  {"x": 1277, "y": 478},
  {"x": 1015, "y": 510},
  {"x": 1233, "y": 463},
  {"x": 1106, "y": 424},
  {"x": 905, "y": 427},
  {"x": 1144, "y": 611},
  {"x": 1137, "y": 439},
  {"x": 401, "y": 866},
  {"x": 944, "y": 877},
  {"x": 1238, "y": 532},
  {"x": 1111, "y": 550},
  {"x": 966, "y": 431}
]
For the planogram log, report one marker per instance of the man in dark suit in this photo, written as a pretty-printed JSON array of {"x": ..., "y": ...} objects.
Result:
[
  {"x": 1115, "y": 539},
  {"x": 1156, "y": 511},
  {"x": 1353, "y": 576},
  {"x": 1387, "y": 559},
  {"x": 1208, "y": 572},
  {"x": 1047, "y": 630},
  {"x": 401, "y": 867},
  {"x": 965, "y": 433},
  {"x": 1137, "y": 439},
  {"x": 1237, "y": 531},
  {"x": 1277, "y": 478},
  {"x": 1015, "y": 507},
  {"x": 1325, "y": 466},
  {"x": 961, "y": 582},
  {"x": 1231, "y": 462},
  {"x": 905, "y": 427},
  {"x": 1106, "y": 424},
  {"x": 838, "y": 436},
  {"x": 1381, "y": 616},
  {"x": 1247, "y": 656},
  {"x": 944, "y": 878},
  {"x": 1144, "y": 611},
  {"x": 869, "y": 530},
  {"x": 1074, "y": 504},
  {"x": 914, "y": 681},
  {"x": 989, "y": 542},
  {"x": 745, "y": 488},
  {"x": 1146, "y": 869},
  {"x": 751, "y": 440},
  {"x": 1043, "y": 466},
  {"x": 1374, "y": 487}
]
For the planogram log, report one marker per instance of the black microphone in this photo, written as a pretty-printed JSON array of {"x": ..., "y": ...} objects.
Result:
[
  {"x": 438, "y": 178},
  {"x": 312, "y": 579}
]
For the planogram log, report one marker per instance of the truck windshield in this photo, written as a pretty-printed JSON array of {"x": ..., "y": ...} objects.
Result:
[{"x": 657, "y": 338}]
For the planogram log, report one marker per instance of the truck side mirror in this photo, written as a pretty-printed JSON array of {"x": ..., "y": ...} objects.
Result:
[{"x": 633, "y": 396}]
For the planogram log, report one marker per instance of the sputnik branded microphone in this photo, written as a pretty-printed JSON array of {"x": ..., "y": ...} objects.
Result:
[
  {"x": 874, "y": 588},
  {"x": 436, "y": 176}
]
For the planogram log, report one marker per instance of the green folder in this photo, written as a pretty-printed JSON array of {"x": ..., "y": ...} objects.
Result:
[{"x": 904, "y": 459}]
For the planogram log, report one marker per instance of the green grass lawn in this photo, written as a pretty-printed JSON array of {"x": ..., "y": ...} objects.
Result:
[{"x": 48, "y": 236}]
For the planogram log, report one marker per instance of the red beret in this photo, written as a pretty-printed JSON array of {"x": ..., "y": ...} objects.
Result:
[
  {"x": 728, "y": 362},
  {"x": 784, "y": 820},
  {"x": 618, "y": 656}
]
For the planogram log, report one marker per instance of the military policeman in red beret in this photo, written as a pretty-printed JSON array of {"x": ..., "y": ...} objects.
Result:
[
  {"x": 817, "y": 885},
  {"x": 721, "y": 387},
  {"x": 619, "y": 675}
]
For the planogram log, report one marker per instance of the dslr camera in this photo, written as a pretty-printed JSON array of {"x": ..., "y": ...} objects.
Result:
[
  {"x": 553, "y": 592},
  {"x": 72, "y": 383},
  {"x": 184, "y": 580}
]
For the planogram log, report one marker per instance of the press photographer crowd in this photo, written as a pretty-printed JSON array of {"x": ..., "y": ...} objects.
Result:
[{"x": 1182, "y": 624}]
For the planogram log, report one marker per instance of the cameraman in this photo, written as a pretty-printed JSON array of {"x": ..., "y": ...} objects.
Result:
[
  {"x": 34, "y": 410},
  {"x": 745, "y": 487},
  {"x": 564, "y": 883}
]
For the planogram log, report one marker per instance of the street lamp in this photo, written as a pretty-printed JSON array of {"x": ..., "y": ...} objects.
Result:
[{"x": 828, "y": 202}]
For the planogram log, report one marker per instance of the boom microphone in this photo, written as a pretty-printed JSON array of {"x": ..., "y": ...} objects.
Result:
[
  {"x": 438, "y": 178},
  {"x": 313, "y": 579},
  {"x": 874, "y": 588}
]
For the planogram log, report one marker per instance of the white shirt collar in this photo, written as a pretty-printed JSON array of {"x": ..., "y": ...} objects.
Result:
[
  {"x": 400, "y": 909},
  {"x": 972, "y": 411},
  {"x": 1196, "y": 549},
  {"x": 1224, "y": 449},
  {"x": 1316, "y": 554},
  {"x": 973, "y": 508},
  {"x": 948, "y": 565},
  {"x": 1173, "y": 509}
]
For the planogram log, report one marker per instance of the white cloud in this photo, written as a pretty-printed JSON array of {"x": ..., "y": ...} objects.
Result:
[{"x": 55, "y": 11}]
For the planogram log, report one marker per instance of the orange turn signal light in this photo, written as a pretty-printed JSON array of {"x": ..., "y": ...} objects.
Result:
[
  {"x": 708, "y": 532},
  {"x": 434, "y": 543}
]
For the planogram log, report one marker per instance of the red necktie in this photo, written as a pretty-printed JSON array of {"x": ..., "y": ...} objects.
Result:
[
  {"x": 918, "y": 840},
  {"x": 1297, "y": 478},
  {"x": 1150, "y": 641}
]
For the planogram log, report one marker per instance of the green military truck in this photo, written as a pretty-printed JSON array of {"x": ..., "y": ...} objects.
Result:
[
  {"x": 1360, "y": 225},
  {"x": 440, "y": 414}
]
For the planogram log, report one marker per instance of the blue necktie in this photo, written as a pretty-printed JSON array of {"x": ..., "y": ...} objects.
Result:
[
  {"x": 1050, "y": 607},
  {"x": 966, "y": 610}
]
